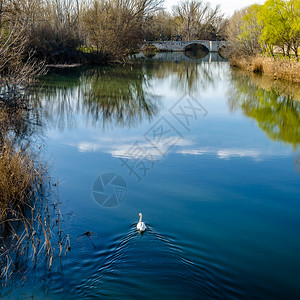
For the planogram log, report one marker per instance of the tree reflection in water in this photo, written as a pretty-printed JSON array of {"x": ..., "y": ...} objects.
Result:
[
  {"x": 105, "y": 97},
  {"x": 275, "y": 109},
  {"x": 276, "y": 113},
  {"x": 190, "y": 74},
  {"x": 120, "y": 95}
]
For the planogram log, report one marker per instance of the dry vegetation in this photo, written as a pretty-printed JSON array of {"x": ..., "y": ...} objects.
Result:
[
  {"x": 285, "y": 69},
  {"x": 27, "y": 216},
  {"x": 101, "y": 31},
  {"x": 72, "y": 31}
]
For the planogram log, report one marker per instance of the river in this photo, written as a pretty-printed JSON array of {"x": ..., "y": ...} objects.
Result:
[{"x": 209, "y": 155}]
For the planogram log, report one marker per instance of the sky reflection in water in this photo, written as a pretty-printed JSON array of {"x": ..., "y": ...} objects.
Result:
[{"x": 220, "y": 200}]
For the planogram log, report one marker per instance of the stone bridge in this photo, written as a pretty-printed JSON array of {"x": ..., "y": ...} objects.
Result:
[{"x": 212, "y": 46}]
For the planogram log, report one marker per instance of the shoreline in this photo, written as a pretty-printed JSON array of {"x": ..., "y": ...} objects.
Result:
[{"x": 280, "y": 68}]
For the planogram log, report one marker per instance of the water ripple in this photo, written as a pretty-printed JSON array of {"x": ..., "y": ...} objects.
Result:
[{"x": 133, "y": 259}]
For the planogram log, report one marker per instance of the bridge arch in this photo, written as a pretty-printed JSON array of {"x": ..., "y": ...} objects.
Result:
[
  {"x": 193, "y": 46},
  {"x": 223, "y": 51}
]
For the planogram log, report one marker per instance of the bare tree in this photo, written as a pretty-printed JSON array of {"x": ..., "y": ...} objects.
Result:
[
  {"x": 18, "y": 68},
  {"x": 194, "y": 17},
  {"x": 115, "y": 27},
  {"x": 159, "y": 25}
]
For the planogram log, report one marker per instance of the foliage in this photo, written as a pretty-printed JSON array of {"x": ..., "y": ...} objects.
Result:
[
  {"x": 99, "y": 31},
  {"x": 266, "y": 28},
  {"x": 54, "y": 30},
  {"x": 281, "y": 24}
]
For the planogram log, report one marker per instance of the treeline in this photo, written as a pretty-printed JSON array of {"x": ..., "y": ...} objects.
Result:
[
  {"x": 67, "y": 31},
  {"x": 272, "y": 28},
  {"x": 189, "y": 20},
  {"x": 60, "y": 30}
]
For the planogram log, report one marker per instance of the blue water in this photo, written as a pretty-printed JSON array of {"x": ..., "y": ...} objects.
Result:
[{"x": 218, "y": 189}]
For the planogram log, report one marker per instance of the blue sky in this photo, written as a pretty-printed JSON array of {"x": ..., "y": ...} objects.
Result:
[{"x": 227, "y": 6}]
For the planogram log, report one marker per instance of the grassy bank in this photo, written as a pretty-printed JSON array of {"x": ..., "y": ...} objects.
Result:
[{"x": 277, "y": 68}]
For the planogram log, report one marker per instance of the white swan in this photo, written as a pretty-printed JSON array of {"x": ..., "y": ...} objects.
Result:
[{"x": 141, "y": 225}]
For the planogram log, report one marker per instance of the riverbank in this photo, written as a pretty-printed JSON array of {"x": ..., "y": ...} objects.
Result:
[{"x": 277, "y": 68}]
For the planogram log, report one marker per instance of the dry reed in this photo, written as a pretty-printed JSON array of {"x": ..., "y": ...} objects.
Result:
[
  {"x": 27, "y": 217},
  {"x": 278, "y": 68}
]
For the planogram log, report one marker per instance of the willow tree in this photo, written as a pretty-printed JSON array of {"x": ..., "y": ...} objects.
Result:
[
  {"x": 280, "y": 20},
  {"x": 251, "y": 30},
  {"x": 294, "y": 15}
]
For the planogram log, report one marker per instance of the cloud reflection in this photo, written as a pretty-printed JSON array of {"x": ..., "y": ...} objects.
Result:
[
  {"x": 183, "y": 146},
  {"x": 229, "y": 153}
]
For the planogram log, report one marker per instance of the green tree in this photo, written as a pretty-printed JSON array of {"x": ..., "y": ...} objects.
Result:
[
  {"x": 280, "y": 22},
  {"x": 251, "y": 30}
]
